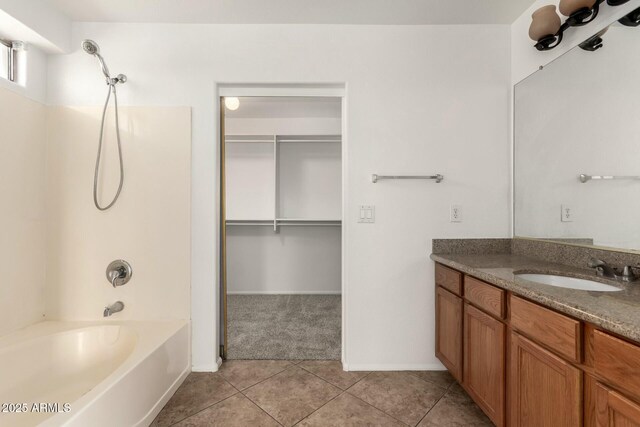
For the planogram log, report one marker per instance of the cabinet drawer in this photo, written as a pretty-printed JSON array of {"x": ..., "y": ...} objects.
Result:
[
  {"x": 482, "y": 295},
  {"x": 558, "y": 332},
  {"x": 618, "y": 361},
  {"x": 449, "y": 279}
]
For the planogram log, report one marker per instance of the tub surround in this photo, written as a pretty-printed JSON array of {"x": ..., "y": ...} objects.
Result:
[{"x": 617, "y": 312}]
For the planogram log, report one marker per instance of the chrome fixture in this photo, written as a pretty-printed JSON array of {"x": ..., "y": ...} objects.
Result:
[
  {"x": 113, "y": 308},
  {"x": 119, "y": 272},
  {"x": 586, "y": 178},
  {"x": 625, "y": 274},
  {"x": 375, "y": 178},
  {"x": 92, "y": 48}
]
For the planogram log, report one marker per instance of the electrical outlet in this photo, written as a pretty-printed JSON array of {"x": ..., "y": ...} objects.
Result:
[
  {"x": 455, "y": 214},
  {"x": 367, "y": 214},
  {"x": 566, "y": 213}
]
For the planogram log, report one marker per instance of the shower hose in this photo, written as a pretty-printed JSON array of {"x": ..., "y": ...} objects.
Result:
[{"x": 112, "y": 87}]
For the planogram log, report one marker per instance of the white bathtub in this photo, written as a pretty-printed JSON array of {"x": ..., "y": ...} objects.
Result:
[{"x": 109, "y": 373}]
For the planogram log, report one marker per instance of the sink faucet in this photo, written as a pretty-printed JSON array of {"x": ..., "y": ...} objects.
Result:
[
  {"x": 113, "y": 308},
  {"x": 603, "y": 269}
]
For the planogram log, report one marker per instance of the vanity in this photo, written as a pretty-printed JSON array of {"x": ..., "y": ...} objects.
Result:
[
  {"x": 526, "y": 325},
  {"x": 531, "y": 354}
]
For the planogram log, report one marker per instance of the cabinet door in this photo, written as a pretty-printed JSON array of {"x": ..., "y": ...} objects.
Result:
[
  {"x": 484, "y": 362},
  {"x": 615, "y": 410},
  {"x": 544, "y": 390},
  {"x": 449, "y": 331}
]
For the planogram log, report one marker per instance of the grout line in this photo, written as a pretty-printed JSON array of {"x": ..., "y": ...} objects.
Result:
[
  {"x": 260, "y": 407},
  {"x": 375, "y": 407},
  {"x": 323, "y": 405},
  {"x": 204, "y": 409},
  {"x": 261, "y": 381},
  {"x": 446, "y": 392}
]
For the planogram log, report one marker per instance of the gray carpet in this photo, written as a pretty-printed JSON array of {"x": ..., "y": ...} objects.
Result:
[{"x": 288, "y": 327}]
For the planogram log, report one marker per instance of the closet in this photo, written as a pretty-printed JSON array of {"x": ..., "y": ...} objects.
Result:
[{"x": 283, "y": 228}]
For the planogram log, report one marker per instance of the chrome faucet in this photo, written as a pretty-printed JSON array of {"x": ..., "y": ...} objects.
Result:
[
  {"x": 113, "y": 308},
  {"x": 625, "y": 274}
]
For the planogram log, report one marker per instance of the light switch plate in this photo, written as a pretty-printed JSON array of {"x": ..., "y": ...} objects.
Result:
[{"x": 367, "y": 214}]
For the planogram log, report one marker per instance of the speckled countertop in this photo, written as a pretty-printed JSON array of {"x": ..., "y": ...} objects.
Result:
[{"x": 618, "y": 312}]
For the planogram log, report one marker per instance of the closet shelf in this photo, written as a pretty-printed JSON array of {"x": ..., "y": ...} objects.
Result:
[
  {"x": 283, "y": 138},
  {"x": 286, "y": 222}
]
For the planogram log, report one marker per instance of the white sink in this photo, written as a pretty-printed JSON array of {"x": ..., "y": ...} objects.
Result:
[{"x": 568, "y": 282}]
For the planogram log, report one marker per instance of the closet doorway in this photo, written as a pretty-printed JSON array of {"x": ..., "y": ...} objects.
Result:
[{"x": 281, "y": 211}]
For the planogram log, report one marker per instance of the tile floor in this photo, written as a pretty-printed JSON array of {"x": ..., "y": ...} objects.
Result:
[{"x": 317, "y": 394}]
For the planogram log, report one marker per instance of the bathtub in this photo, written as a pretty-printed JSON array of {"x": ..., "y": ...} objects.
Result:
[{"x": 91, "y": 373}]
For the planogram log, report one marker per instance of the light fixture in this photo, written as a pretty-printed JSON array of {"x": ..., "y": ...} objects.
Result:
[
  {"x": 545, "y": 28},
  {"x": 579, "y": 13},
  {"x": 594, "y": 42},
  {"x": 231, "y": 102},
  {"x": 632, "y": 19}
]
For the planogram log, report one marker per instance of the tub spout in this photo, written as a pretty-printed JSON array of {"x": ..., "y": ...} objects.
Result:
[{"x": 113, "y": 308}]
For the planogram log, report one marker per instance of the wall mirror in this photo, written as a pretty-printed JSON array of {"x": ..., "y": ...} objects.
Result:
[{"x": 577, "y": 146}]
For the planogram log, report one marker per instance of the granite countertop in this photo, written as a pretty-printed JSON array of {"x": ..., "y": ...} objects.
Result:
[{"x": 617, "y": 312}]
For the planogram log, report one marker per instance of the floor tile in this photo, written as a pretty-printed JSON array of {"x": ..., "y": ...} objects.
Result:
[
  {"x": 441, "y": 378},
  {"x": 245, "y": 373},
  {"x": 347, "y": 411},
  {"x": 331, "y": 371},
  {"x": 291, "y": 395},
  {"x": 455, "y": 409},
  {"x": 199, "y": 391},
  {"x": 399, "y": 394},
  {"x": 236, "y": 411}
]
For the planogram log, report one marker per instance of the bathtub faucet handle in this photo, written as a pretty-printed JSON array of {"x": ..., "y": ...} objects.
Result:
[{"x": 119, "y": 272}]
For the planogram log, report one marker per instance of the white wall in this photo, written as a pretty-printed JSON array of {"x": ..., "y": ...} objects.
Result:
[
  {"x": 525, "y": 59},
  {"x": 22, "y": 210},
  {"x": 420, "y": 100},
  {"x": 149, "y": 226},
  {"x": 579, "y": 115}
]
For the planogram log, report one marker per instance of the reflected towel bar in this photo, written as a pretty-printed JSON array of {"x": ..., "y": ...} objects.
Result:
[
  {"x": 375, "y": 178},
  {"x": 584, "y": 178}
]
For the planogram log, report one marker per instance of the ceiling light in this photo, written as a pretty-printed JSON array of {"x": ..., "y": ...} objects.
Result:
[{"x": 232, "y": 103}]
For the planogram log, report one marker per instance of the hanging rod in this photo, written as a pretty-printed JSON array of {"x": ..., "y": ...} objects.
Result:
[
  {"x": 375, "y": 178},
  {"x": 584, "y": 178}
]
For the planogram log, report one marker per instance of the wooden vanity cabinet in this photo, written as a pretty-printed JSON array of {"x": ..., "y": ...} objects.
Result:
[
  {"x": 615, "y": 410},
  {"x": 544, "y": 390},
  {"x": 449, "y": 331},
  {"x": 527, "y": 365},
  {"x": 484, "y": 362}
]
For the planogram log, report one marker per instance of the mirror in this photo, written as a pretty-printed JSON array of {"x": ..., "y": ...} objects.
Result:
[{"x": 577, "y": 146}]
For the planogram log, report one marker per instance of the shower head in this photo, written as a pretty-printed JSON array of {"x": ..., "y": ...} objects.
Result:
[{"x": 90, "y": 47}]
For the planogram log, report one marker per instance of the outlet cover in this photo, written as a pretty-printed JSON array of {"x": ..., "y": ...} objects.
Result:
[
  {"x": 566, "y": 213},
  {"x": 455, "y": 214}
]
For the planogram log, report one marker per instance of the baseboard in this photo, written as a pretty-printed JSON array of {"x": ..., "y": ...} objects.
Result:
[
  {"x": 284, "y": 293},
  {"x": 394, "y": 367},
  {"x": 153, "y": 413},
  {"x": 212, "y": 367}
]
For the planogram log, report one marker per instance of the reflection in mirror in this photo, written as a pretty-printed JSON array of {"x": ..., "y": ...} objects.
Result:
[{"x": 577, "y": 146}]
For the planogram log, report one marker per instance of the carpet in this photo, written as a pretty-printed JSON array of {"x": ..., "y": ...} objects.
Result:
[{"x": 284, "y": 327}]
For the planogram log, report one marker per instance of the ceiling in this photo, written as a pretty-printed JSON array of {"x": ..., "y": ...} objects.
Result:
[{"x": 386, "y": 12}]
